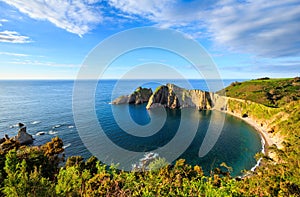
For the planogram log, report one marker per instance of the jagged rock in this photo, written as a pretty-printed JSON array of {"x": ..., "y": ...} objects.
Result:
[
  {"x": 23, "y": 137},
  {"x": 20, "y": 124},
  {"x": 139, "y": 96},
  {"x": 164, "y": 96},
  {"x": 2, "y": 140},
  {"x": 172, "y": 96}
]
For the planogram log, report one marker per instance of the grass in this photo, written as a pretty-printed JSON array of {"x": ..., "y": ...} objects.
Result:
[{"x": 269, "y": 92}]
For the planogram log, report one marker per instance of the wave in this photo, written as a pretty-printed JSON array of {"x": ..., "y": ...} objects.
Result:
[
  {"x": 40, "y": 133},
  {"x": 71, "y": 127},
  {"x": 256, "y": 165},
  {"x": 14, "y": 126},
  {"x": 263, "y": 143},
  {"x": 35, "y": 122},
  {"x": 56, "y": 126},
  {"x": 67, "y": 145},
  {"x": 145, "y": 161},
  {"x": 51, "y": 132}
]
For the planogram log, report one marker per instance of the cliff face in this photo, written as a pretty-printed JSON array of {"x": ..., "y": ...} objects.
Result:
[
  {"x": 139, "y": 96},
  {"x": 172, "y": 96}
]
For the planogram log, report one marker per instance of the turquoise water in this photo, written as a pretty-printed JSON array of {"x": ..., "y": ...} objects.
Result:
[{"x": 46, "y": 106}]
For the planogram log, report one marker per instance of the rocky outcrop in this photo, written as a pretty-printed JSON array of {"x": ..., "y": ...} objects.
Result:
[
  {"x": 139, "y": 96},
  {"x": 23, "y": 137},
  {"x": 164, "y": 96},
  {"x": 172, "y": 96}
]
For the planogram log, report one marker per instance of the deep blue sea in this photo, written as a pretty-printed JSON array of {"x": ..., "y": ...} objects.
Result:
[{"x": 46, "y": 107}]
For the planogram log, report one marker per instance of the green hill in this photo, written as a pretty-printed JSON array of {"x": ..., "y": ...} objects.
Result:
[{"x": 269, "y": 92}]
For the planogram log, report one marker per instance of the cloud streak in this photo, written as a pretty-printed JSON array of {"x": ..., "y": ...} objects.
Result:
[
  {"x": 14, "y": 54},
  {"x": 76, "y": 17},
  {"x": 264, "y": 28},
  {"x": 13, "y": 37},
  {"x": 41, "y": 63}
]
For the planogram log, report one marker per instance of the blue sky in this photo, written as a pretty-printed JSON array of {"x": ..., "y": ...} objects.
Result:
[{"x": 247, "y": 39}]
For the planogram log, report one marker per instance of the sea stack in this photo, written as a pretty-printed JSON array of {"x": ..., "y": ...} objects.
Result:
[{"x": 23, "y": 137}]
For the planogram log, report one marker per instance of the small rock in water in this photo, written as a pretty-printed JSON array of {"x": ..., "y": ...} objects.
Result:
[{"x": 21, "y": 124}]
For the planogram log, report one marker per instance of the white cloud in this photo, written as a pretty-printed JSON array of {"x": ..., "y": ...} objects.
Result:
[
  {"x": 14, "y": 54},
  {"x": 13, "y": 37},
  {"x": 3, "y": 20},
  {"x": 166, "y": 13},
  {"x": 264, "y": 28},
  {"x": 74, "y": 16}
]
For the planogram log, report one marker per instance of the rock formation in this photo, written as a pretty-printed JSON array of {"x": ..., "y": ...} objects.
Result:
[
  {"x": 23, "y": 137},
  {"x": 172, "y": 96},
  {"x": 139, "y": 96}
]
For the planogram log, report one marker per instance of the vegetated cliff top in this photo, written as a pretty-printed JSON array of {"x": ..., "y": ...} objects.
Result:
[{"x": 266, "y": 91}]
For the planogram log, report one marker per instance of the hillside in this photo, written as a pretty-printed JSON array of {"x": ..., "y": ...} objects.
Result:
[
  {"x": 269, "y": 92},
  {"x": 274, "y": 104}
]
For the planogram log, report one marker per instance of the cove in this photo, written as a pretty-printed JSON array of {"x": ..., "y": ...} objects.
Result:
[{"x": 236, "y": 146}]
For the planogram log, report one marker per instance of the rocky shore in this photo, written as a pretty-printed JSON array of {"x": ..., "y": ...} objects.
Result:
[{"x": 23, "y": 138}]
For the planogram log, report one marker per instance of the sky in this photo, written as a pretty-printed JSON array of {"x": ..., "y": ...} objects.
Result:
[{"x": 50, "y": 39}]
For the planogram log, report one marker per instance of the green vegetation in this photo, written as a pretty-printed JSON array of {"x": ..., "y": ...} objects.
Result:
[
  {"x": 269, "y": 92},
  {"x": 157, "y": 89},
  {"x": 39, "y": 171}
]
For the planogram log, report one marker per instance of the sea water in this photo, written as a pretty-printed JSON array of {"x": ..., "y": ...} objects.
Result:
[{"x": 46, "y": 109}]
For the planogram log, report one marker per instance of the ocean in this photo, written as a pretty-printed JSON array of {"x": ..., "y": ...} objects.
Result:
[{"x": 45, "y": 106}]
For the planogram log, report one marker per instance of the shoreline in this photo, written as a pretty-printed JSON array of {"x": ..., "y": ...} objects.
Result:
[{"x": 266, "y": 139}]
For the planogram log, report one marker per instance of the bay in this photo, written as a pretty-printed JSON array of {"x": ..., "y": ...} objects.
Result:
[{"x": 46, "y": 106}]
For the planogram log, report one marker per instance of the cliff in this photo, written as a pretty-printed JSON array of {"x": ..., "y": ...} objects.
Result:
[
  {"x": 139, "y": 96},
  {"x": 172, "y": 96}
]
